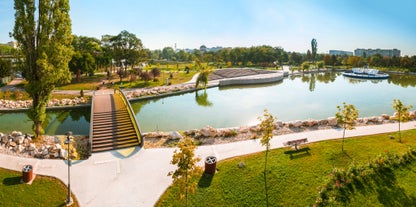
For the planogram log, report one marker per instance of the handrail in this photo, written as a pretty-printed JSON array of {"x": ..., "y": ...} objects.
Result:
[
  {"x": 131, "y": 114},
  {"x": 91, "y": 122}
]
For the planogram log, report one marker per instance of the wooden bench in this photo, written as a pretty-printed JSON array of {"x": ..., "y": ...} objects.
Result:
[{"x": 295, "y": 143}]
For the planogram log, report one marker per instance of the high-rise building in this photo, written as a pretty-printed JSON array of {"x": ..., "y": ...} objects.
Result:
[{"x": 382, "y": 52}]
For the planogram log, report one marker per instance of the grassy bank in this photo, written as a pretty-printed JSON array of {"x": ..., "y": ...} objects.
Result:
[
  {"x": 44, "y": 191},
  {"x": 293, "y": 180}
]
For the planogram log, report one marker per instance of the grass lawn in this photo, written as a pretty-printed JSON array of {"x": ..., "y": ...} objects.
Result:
[
  {"x": 91, "y": 83},
  {"x": 44, "y": 191},
  {"x": 293, "y": 181}
]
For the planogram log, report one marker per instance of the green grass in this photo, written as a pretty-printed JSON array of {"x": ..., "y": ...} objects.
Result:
[
  {"x": 293, "y": 181},
  {"x": 44, "y": 191}
]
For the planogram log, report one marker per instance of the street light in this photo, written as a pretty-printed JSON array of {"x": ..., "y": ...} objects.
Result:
[{"x": 68, "y": 141}]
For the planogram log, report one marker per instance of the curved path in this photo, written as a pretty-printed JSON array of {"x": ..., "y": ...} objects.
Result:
[{"x": 110, "y": 179}]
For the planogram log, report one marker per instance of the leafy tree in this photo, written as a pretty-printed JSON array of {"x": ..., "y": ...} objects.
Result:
[
  {"x": 266, "y": 126},
  {"x": 402, "y": 113},
  {"x": 146, "y": 76},
  {"x": 305, "y": 66},
  {"x": 6, "y": 49},
  {"x": 187, "y": 168},
  {"x": 128, "y": 47},
  {"x": 155, "y": 73},
  {"x": 320, "y": 64},
  {"x": 5, "y": 68},
  {"x": 45, "y": 43},
  {"x": 346, "y": 117},
  {"x": 314, "y": 47}
]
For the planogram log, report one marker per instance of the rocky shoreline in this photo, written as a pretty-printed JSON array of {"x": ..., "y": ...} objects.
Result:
[
  {"x": 25, "y": 104},
  {"x": 209, "y": 135},
  {"x": 53, "y": 147}
]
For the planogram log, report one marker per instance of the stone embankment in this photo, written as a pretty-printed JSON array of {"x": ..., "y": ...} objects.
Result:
[
  {"x": 48, "y": 147},
  {"x": 24, "y": 104},
  {"x": 210, "y": 135}
]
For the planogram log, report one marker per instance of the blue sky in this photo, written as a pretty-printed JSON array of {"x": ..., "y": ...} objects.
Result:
[{"x": 291, "y": 24}]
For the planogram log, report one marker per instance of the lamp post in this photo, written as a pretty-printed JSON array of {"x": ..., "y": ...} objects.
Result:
[{"x": 68, "y": 141}]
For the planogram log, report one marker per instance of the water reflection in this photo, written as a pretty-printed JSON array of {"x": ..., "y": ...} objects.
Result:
[
  {"x": 202, "y": 99},
  {"x": 57, "y": 121}
]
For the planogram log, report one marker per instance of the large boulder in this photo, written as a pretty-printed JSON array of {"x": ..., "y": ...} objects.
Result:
[
  {"x": 208, "y": 131},
  {"x": 332, "y": 121}
]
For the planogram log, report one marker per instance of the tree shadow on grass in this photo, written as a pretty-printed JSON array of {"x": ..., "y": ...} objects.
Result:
[
  {"x": 389, "y": 192},
  {"x": 384, "y": 184},
  {"x": 12, "y": 181},
  {"x": 205, "y": 180}
]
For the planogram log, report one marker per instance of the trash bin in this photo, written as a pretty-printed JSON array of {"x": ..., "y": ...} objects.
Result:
[
  {"x": 27, "y": 173},
  {"x": 210, "y": 165}
]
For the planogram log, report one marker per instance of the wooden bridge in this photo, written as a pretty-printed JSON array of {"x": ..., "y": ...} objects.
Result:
[{"x": 113, "y": 124}]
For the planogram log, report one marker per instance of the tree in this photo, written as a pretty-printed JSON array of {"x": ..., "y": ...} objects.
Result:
[
  {"x": 320, "y": 64},
  {"x": 314, "y": 47},
  {"x": 155, "y": 73},
  {"x": 128, "y": 47},
  {"x": 266, "y": 126},
  {"x": 305, "y": 66},
  {"x": 202, "y": 78},
  {"x": 346, "y": 117},
  {"x": 187, "y": 168},
  {"x": 45, "y": 43},
  {"x": 5, "y": 68},
  {"x": 402, "y": 113}
]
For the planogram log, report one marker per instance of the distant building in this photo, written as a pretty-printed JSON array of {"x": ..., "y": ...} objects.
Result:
[
  {"x": 382, "y": 52},
  {"x": 12, "y": 44},
  {"x": 340, "y": 52}
]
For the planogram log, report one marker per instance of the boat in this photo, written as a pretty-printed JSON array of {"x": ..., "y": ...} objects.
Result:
[{"x": 366, "y": 73}]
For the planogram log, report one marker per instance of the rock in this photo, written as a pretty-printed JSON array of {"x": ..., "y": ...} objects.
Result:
[
  {"x": 323, "y": 122},
  {"x": 12, "y": 144},
  {"x": 208, "y": 131},
  {"x": 332, "y": 121},
  {"x": 175, "y": 135},
  {"x": 278, "y": 124},
  {"x": 58, "y": 146},
  {"x": 32, "y": 147},
  {"x": 296, "y": 123},
  {"x": 16, "y": 134},
  {"x": 244, "y": 129},
  {"x": 385, "y": 116},
  {"x": 19, "y": 148},
  {"x": 20, "y": 140},
  {"x": 45, "y": 152}
]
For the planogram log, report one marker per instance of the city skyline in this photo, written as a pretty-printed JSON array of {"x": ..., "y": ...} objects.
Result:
[{"x": 337, "y": 25}]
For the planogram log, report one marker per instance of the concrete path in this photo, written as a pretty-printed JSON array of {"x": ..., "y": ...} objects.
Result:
[{"x": 109, "y": 179}]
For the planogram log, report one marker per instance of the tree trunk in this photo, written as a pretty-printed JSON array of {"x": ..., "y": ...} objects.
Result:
[
  {"x": 343, "y": 137},
  {"x": 265, "y": 177}
]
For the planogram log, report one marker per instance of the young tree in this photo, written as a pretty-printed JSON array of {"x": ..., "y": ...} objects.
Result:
[
  {"x": 346, "y": 117},
  {"x": 266, "y": 126},
  {"x": 402, "y": 113},
  {"x": 187, "y": 168},
  {"x": 45, "y": 43},
  {"x": 202, "y": 78}
]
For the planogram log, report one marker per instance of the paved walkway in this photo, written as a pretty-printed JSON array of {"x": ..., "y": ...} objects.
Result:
[{"x": 109, "y": 179}]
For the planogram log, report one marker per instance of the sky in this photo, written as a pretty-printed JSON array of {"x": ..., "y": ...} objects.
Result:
[{"x": 290, "y": 24}]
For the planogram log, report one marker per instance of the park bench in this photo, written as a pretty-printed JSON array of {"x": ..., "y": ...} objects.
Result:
[{"x": 295, "y": 143}]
